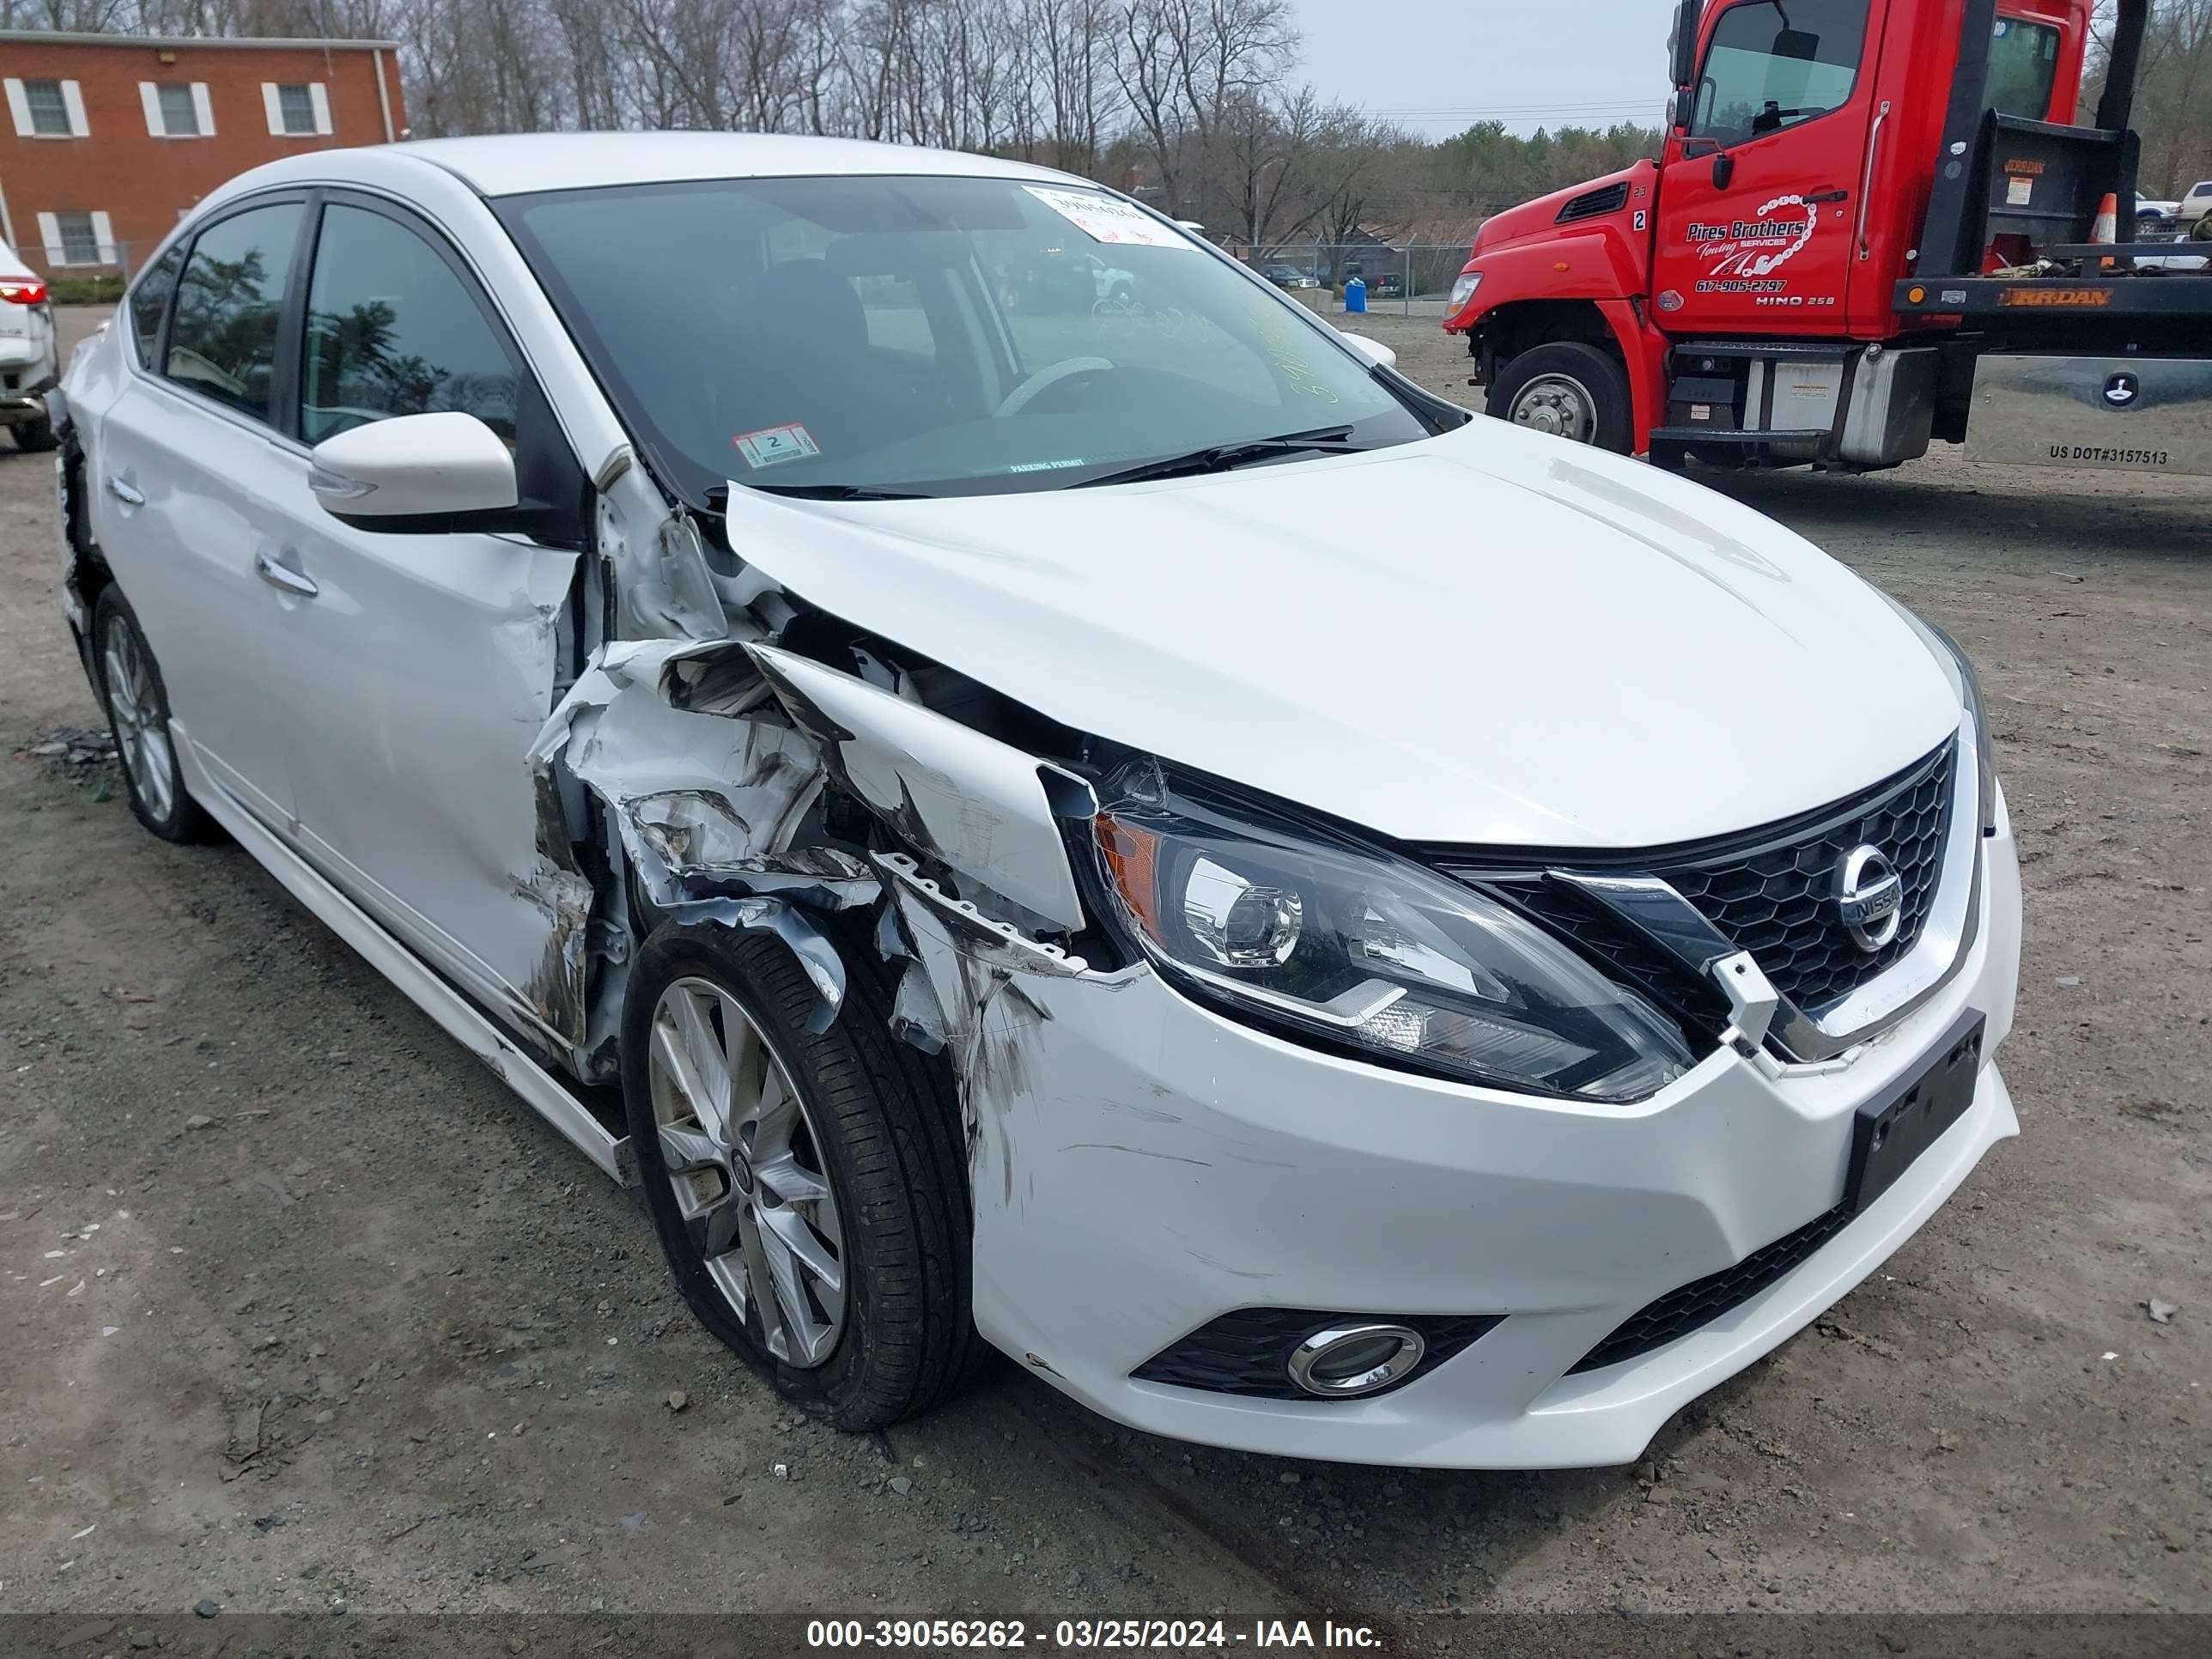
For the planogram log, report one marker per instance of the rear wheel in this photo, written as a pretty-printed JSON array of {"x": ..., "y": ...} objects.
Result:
[
  {"x": 36, "y": 434},
  {"x": 138, "y": 714},
  {"x": 809, "y": 1190},
  {"x": 1569, "y": 390}
]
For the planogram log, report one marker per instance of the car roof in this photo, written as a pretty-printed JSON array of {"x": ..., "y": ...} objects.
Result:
[
  {"x": 514, "y": 164},
  {"x": 12, "y": 266}
]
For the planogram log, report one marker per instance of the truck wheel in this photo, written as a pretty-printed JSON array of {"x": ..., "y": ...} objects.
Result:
[
  {"x": 1569, "y": 390},
  {"x": 36, "y": 434},
  {"x": 809, "y": 1190}
]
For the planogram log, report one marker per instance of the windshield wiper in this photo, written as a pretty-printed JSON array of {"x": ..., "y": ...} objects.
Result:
[
  {"x": 836, "y": 492},
  {"x": 1222, "y": 457}
]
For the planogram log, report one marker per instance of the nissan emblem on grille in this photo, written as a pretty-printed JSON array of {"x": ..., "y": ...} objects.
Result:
[{"x": 1870, "y": 897}]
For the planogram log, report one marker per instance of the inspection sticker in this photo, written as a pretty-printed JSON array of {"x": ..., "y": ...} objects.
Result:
[
  {"x": 772, "y": 444},
  {"x": 1105, "y": 219}
]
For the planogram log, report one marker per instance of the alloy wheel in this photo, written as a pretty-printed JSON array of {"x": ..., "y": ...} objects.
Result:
[
  {"x": 141, "y": 718},
  {"x": 1559, "y": 405},
  {"x": 746, "y": 1167}
]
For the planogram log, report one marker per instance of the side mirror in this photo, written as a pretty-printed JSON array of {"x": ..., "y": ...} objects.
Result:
[
  {"x": 1684, "y": 45},
  {"x": 1374, "y": 351},
  {"x": 415, "y": 472}
]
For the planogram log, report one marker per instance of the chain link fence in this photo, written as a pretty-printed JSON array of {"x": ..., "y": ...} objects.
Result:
[{"x": 1411, "y": 279}]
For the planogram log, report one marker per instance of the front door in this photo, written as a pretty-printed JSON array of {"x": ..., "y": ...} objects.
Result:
[
  {"x": 1759, "y": 199},
  {"x": 419, "y": 665}
]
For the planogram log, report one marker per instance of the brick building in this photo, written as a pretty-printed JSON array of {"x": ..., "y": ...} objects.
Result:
[{"x": 108, "y": 139}]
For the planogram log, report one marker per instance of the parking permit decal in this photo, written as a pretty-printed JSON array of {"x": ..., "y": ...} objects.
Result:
[
  {"x": 772, "y": 444},
  {"x": 1103, "y": 219},
  {"x": 1045, "y": 467}
]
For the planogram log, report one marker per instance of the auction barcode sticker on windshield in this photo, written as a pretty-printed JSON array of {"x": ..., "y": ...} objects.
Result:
[{"x": 1103, "y": 219}]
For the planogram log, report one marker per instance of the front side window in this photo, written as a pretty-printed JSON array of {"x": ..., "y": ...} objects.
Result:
[
  {"x": 391, "y": 330},
  {"x": 929, "y": 335},
  {"x": 49, "y": 108},
  {"x": 150, "y": 303},
  {"x": 222, "y": 342},
  {"x": 1773, "y": 64}
]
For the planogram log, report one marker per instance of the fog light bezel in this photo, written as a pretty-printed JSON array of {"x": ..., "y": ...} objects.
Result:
[{"x": 1315, "y": 1350}]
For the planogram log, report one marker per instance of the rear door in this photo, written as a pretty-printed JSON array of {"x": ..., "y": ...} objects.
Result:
[
  {"x": 191, "y": 462},
  {"x": 1760, "y": 200}
]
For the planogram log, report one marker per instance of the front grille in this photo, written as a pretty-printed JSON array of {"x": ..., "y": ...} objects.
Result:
[
  {"x": 1247, "y": 1350},
  {"x": 1778, "y": 900},
  {"x": 1678, "y": 1313}
]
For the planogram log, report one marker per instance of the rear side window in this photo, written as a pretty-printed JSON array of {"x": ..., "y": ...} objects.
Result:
[
  {"x": 1770, "y": 65},
  {"x": 150, "y": 304},
  {"x": 230, "y": 300},
  {"x": 393, "y": 329}
]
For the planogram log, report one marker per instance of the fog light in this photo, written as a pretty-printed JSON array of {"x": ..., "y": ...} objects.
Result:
[{"x": 1353, "y": 1360}]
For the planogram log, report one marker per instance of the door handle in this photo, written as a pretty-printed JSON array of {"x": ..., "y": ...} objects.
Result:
[
  {"x": 1866, "y": 181},
  {"x": 1829, "y": 196},
  {"x": 295, "y": 582},
  {"x": 125, "y": 493}
]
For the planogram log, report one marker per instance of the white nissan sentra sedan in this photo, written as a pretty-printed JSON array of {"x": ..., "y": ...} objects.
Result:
[{"x": 1131, "y": 835}]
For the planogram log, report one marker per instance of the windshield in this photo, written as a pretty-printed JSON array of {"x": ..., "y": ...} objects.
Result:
[
  {"x": 928, "y": 336},
  {"x": 2023, "y": 65}
]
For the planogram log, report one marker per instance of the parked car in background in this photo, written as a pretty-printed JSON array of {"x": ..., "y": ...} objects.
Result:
[
  {"x": 870, "y": 767},
  {"x": 2149, "y": 211},
  {"x": 2195, "y": 202},
  {"x": 28, "y": 367},
  {"x": 1064, "y": 279},
  {"x": 1288, "y": 276},
  {"x": 1388, "y": 285}
]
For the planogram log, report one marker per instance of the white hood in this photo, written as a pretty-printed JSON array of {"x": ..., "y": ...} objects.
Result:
[{"x": 1490, "y": 636}]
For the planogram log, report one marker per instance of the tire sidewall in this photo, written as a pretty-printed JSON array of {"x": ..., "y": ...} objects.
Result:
[
  {"x": 745, "y": 967},
  {"x": 1598, "y": 373}
]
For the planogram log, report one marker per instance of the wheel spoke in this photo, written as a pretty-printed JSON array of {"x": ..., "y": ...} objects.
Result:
[
  {"x": 685, "y": 1149},
  {"x": 789, "y": 1228},
  {"x": 760, "y": 1285},
  {"x": 807, "y": 1338},
  {"x": 774, "y": 1115},
  {"x": 791, "y": 1181},
  {"x": 715, "y": 1228},
  {"x": 680, "y": 1035}
]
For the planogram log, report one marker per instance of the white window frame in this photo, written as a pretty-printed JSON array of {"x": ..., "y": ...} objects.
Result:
[
  {"x": 57, "y": 251},
  {"x": 272, "y": 103},
  {"x": 19, "y": 109},
  {"x": 149, "y": 99}
]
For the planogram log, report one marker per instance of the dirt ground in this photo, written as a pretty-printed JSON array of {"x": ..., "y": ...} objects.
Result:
[{"x": 305, "y": 1312}]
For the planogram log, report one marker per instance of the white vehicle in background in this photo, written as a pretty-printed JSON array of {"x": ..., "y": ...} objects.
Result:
[
  {"x": 28, "y": 365},
  {"x": 2195, "y": 203},
  {"x": 961, "y": 806},
  {"x": 2150, "y": 212}
]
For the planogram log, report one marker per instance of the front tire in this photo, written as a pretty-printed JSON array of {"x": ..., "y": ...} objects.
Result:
[
  {"x": 1569, "y": 390},
  {"x": 810, "y": 1191},
  {"x": 36, "y": 434},
  {"x": 139, "y": 716}
]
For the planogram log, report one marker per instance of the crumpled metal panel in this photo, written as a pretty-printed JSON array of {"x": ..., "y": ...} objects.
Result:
[{"x": 974, "y": 804}]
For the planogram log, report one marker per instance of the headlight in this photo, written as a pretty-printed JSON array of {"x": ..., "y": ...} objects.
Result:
[
  {"x": 1463, "y": 289},
  {"x": 1368, "y": 952},
  {"x": 1961, "y": 669}
]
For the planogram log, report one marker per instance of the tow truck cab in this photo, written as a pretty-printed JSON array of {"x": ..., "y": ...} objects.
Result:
[{"x": 1783, "y": 284}]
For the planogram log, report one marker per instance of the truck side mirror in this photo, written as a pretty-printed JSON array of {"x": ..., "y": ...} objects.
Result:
[{"x": 1685, "y": 47}]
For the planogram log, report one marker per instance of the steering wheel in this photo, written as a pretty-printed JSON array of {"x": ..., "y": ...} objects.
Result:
[{"x": 1019, "y": 397}]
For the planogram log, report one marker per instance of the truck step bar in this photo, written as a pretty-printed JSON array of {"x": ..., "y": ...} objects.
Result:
[{"x": 1705, "y": 435}]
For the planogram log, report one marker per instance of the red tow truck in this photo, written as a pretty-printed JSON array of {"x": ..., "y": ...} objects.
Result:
[{"x": 1873, "y": 223}]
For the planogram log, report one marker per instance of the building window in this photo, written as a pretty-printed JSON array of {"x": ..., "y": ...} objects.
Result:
[
  {"x": 179, "y": 119},
  {"x": 74, "y": 238},
  {"x": 297, "y": 109},
  {"x": 46, "y": 109}
]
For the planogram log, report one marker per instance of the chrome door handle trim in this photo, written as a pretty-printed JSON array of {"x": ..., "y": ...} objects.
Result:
[
  {"x": 1866, "y": 180},
  {"x": 123, "y": 493},
  {"x": 283, "y": 576}
]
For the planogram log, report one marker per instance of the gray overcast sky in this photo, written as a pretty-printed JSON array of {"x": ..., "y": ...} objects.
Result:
[{"x": 1530, "y": 62}]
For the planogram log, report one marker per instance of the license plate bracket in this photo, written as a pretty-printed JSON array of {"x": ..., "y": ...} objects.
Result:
[{"x": 1894, "y": 1129}]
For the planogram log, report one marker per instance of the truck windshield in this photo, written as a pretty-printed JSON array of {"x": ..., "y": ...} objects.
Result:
[
  {"x": 904, "y": 335},
  {"x": 1768, "y": 66},
  {"x": 2023, "y": 65}
]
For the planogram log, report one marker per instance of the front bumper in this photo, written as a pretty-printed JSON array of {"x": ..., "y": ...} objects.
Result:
[{"x": 1142, "y": 1166}]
